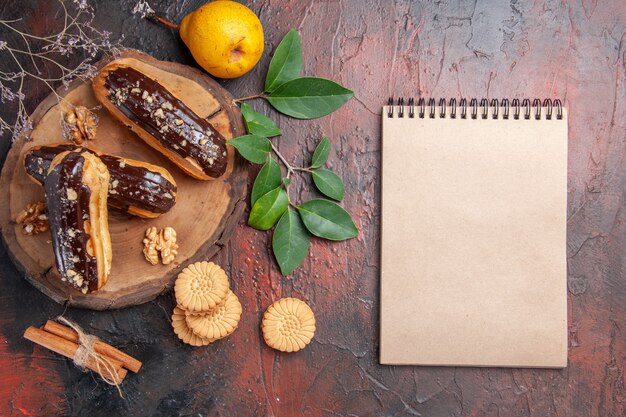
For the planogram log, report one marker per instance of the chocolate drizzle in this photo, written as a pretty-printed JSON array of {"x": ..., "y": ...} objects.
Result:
[
  {"x": 37, "y": 160},
  {"x": 131, "y": 185},
  {"x": 67, "y": 200},
  {"x": 136, "y": 186},
  {"x": 176, "y": 127}
]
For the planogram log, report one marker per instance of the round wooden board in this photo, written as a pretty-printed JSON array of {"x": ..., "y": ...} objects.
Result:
[{"x": 204, "y": 216}]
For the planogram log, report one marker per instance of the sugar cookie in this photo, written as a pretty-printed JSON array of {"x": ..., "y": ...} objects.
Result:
[
  {"x": 183, "y": 331},
  {"x": 288, "y": 325},
  {"x": 218, "y": 322},
  {"x": 201, "y": 286}
]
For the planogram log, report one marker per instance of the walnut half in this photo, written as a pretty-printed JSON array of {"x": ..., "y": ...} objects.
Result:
[
  {"x": 166, "y": 243},
  {"x": 33, "y": 218},
  {"x": 80, "y": 124},
  {"x": 163, "y": 242},
  {"x": 149, "y": 245}
]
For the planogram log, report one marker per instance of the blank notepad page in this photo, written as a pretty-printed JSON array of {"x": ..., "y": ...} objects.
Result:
[{"x": 474, "y": 239}]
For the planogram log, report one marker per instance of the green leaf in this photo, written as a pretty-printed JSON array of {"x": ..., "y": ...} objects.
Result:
[
  {"x": 286, "y": 62},
  {"x": 320, "y": 156},
  {"x": 268, "y": 209},
  {"x": 326, "y": 219},
  {"x": 290, "y": 242},
  {"x": 254, "y": 148},
  {"x": 309, "y": 97},
  {"x": 257, "y": 123},
  {"x": 268, "y": 178},
  {"x": 329, "y": 183}
]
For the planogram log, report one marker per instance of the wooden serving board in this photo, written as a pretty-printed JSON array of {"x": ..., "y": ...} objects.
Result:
[{"x": 204, "y": 216}]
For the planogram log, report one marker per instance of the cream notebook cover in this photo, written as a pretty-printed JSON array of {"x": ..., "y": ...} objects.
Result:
[{"x": 473, "y": 234}]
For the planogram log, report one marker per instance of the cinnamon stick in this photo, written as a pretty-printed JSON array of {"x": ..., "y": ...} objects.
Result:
[
  {"x": 100, "y": 347},
  {"x": 68, "y": 349}
]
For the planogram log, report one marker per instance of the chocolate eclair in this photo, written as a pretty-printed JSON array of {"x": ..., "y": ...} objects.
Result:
[
  {"x": 137, "y": 187},
  {"x": 76, "y": 188},
  {"x": 162, "y": 120}
]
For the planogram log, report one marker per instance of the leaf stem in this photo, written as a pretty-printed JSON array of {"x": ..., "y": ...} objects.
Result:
[
  {"x": 290, "y": 168},
  {"x": 260, "y": 95}
]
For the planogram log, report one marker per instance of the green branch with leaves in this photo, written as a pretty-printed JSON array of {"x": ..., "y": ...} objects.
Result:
[{"x": 272, "y": 207}]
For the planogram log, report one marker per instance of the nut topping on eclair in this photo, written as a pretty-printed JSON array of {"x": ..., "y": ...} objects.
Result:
[
  {"x": 162, "y": 120},
  {"x": 140, "y": 188},
  {"x": 76, "y": 197}
]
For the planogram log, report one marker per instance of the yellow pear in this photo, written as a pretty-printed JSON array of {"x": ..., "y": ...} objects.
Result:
[{"x": 224, "y": 37}]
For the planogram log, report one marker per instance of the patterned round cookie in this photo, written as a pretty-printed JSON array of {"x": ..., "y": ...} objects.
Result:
[
  {"x": 183, "y": 331},
  {"x": 201, "y": 286},
  {"x": 218, "y": 322},
  {"x": 288, "y": 325}
]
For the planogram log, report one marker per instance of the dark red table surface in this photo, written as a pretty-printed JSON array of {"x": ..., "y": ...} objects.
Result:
[{"x": 570, "y": 50}]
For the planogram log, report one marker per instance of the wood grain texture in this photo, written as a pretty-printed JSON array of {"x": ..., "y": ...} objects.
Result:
[
  {"x": 216, "y": 205},
  {"x": 573, "y": 50}
]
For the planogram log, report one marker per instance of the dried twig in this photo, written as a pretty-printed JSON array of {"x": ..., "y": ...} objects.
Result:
[{"x": 40, "y": 59}]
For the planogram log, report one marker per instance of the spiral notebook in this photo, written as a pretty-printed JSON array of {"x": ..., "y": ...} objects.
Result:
[{"x": 473, "y": 243}]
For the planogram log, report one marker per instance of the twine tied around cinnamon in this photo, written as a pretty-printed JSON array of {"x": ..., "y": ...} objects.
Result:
[{"x": 86, "y": 352}]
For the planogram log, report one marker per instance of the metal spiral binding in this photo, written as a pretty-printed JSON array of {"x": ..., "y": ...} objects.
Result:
[{"x": 499, "y": 108}]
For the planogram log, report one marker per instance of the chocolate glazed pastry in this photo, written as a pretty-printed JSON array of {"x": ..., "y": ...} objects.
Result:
[
  {"x": 76, "y": 197},
  {"x": 139, "y": 188},
  {"x": 162, "y": 120}
]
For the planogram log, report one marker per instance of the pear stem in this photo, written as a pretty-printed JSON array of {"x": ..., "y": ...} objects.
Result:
[{"x": 158, "y": 19}]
